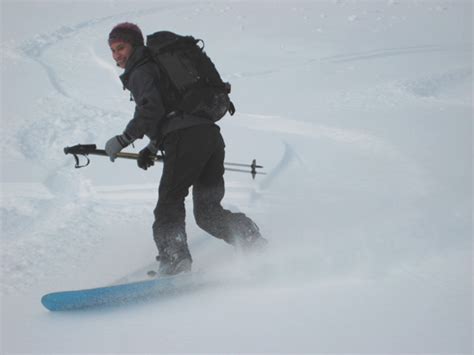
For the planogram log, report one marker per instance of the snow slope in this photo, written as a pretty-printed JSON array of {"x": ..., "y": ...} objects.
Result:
[{"x": 361, "y": 113}]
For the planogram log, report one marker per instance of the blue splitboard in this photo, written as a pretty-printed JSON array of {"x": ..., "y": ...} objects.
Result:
[{"x": 120, "y": 294}]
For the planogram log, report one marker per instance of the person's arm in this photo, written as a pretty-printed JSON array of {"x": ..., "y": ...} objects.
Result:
[{"x": 149, "y": 109}]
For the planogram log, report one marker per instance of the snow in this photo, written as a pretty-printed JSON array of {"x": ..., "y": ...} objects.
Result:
[{"x": 360, "y": 112}]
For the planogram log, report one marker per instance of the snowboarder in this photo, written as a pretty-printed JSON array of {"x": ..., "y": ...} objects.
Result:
[{"x": 194, "y": 156}]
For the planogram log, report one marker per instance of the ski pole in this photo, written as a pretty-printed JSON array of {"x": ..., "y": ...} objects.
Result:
[{"x": 91, "y": 149}]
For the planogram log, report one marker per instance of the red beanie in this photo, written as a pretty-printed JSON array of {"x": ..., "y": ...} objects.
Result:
[{"x": 127, "y": 32}]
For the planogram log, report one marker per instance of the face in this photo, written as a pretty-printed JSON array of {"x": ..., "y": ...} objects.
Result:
[{"x": 121, "y": 51}]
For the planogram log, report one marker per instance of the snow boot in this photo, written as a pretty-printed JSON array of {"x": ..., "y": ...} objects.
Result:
[
  {"x": 174, "y": 257},
  {"x": 169, "y": 267},
  {"x": 246, "y": 235}
]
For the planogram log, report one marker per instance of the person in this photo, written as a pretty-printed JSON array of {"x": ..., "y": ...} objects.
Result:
[{"x": 193, "y": 149}]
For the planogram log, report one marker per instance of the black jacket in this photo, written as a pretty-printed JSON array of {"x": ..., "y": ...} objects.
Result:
[{"x": 142, "y": 78}]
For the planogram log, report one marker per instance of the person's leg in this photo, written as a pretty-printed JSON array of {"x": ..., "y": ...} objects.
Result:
[
  {"x": 208, "y": 192},
  {"x": 180, "y": 170}
]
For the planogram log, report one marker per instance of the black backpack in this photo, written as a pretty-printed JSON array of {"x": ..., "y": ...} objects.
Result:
[{"x": 193, "y": 84}]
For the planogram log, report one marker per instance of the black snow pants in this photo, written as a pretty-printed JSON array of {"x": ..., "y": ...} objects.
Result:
[{"x": 194, "y": 156}]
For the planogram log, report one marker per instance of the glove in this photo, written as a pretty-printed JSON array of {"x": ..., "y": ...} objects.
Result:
[
  {"x": 146, "y": 157},
  {"x": 115, "y": 144}
]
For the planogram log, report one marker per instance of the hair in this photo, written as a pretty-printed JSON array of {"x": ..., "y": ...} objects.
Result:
[{"x": 127, "y": 32}]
